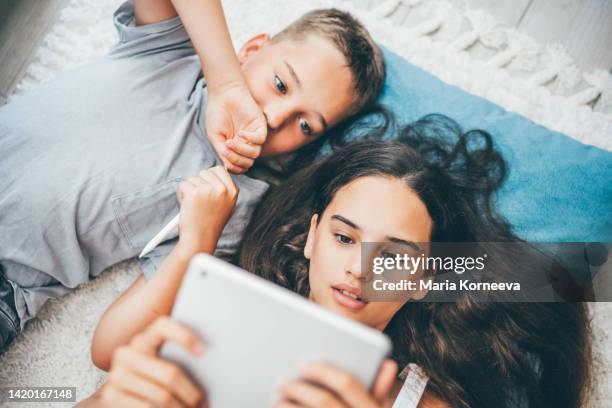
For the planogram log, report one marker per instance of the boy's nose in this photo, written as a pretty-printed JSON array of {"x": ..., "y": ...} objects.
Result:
[
  {"x": 275, "y": 116},
  {"x": 271, "y": 129}
]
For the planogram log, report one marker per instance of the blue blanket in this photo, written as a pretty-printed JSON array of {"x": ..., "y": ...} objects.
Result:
[{"x": 557, "y": 190}]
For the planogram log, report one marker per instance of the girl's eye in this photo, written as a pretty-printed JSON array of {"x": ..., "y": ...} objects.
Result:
[
  {"x": 306, "y": 129},
  {"x": 388, "y": 255},
  {"x": 343, "y": 239},
  {"x": 280, "y": 85}
]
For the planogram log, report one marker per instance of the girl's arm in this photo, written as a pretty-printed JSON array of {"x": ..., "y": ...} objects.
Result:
[
  {"x": 207, "y": 201},
  {"x": 137, "y": 307},
  {"x": 231, "y": 112}
]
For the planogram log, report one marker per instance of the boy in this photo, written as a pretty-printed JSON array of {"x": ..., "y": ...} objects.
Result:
[{"x": 91, "y": 161}]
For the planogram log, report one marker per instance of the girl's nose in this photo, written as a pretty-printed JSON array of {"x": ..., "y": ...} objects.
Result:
[{"x": 353, "y": 265}]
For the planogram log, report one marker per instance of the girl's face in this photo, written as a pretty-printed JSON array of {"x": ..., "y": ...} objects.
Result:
[{"x": 368, "y": 209}]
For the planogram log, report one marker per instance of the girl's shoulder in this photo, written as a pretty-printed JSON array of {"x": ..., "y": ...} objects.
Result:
[
  {"x": 413, "y": 390},
  {"x": 413, "y": 382}
]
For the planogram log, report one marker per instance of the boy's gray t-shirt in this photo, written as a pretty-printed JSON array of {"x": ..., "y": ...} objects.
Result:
[{"x": 91, "y": 161}]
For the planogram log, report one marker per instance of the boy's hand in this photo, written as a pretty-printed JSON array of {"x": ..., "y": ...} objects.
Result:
[
  {"x": 207, "y": 201},
  {"x": 236, "y": 126}
]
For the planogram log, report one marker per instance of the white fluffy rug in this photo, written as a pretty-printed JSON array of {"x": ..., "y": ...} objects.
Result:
[{"x": 463, "y": 47}]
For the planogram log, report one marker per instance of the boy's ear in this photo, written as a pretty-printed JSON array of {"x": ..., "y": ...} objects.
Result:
[
  {"x": 310, "y": 239},
  {"x": 252, "y": 45}
]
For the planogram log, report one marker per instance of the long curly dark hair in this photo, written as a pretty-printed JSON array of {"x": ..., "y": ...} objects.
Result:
[{"x": 476, "y": 354}]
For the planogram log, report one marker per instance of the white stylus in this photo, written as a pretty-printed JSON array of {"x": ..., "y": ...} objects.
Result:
[
  {"x": 161, "y": 236},
  {"x": 164, "y": 234}
]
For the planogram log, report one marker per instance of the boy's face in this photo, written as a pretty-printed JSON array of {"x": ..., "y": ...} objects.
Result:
[{"x": 303, "y": 87}]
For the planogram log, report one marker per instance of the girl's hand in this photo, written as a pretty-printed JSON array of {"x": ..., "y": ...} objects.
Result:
[
  {"x": 235, "y": 125},
  {"x": 207, "y": 201},
  {"x": 139, "y": 378},
  {"x": 325, "y": 386}
]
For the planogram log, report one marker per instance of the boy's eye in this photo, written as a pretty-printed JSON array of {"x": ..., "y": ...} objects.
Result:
[
  {"x": 280, "y": 85},
  {"x": 306, "y": 129},
  {"x": 343, "y": 239}
]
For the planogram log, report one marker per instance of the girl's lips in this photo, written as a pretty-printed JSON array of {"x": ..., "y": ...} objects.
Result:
[{"x": 346, "y": 300}]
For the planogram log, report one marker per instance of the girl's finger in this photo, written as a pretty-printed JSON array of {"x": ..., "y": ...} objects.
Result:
[
  {"x": 164, "y": 328},
  {"x": 244, "y": 149},
  {"x": 226, "y": 179},
  {"x": 198, "y": 181},
  {"x": 209, "y": 176},
  {"x": 384, "y": 380},
  {"x": 191, "y": 182},
  {"x": 309, "y": 395},
  {"x": 185, "y": 188},
  {"x": 112, "y": 397},
  {"x": 287, "y": 404},
  {"x": 144, "y": 389},
  {"x": 160, "y": 371},
  {"x": 232, "y": 168},
  {"x": 347, "y": 387}
]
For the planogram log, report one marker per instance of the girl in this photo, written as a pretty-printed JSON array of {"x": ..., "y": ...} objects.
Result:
[{"x": 418, "y": 189}]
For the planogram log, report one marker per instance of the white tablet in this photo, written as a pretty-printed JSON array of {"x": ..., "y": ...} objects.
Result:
[{"x": 258, "y": 335}]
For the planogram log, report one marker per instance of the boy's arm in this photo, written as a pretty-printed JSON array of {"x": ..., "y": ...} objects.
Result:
[
  {"x": 231, "y": 112},
  {"x": 205, "y": 23},
  {"x": 153, "y": 11}
]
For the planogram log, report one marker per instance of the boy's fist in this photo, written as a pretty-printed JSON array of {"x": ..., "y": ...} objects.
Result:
[
  {"x": 207, "y": 202},
  {"x": 236, "y": 126}
]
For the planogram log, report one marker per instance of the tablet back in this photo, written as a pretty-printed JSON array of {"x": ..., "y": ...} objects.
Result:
[{"x": 258, "y": 335}]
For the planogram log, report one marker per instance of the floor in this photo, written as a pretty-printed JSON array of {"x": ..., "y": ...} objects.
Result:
[
  {"x": 582, "y": 26},
  {"x": 23, "y": 24}
]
